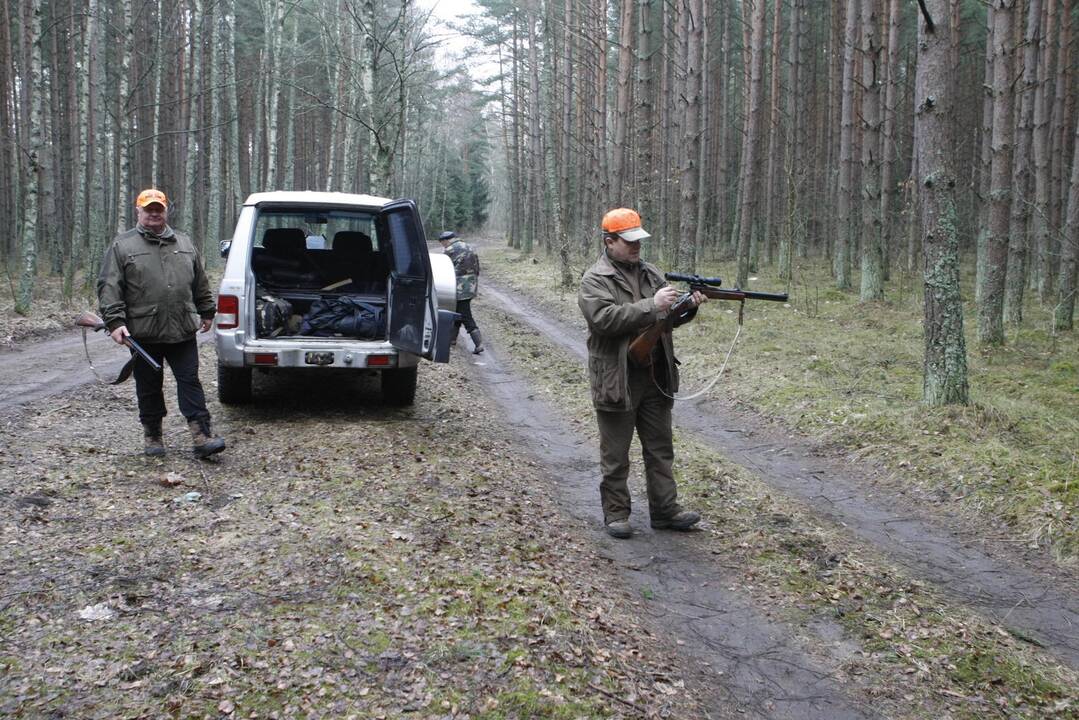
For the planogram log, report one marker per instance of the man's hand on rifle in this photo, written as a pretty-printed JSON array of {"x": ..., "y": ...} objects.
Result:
[
  {"x": 119, "y": 334},
  {"x": 698, "y": 297},
  {"x": 665, "y": 297}
]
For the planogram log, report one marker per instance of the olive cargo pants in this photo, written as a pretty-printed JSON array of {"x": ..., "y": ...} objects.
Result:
[{"x": 651, "y": 417}]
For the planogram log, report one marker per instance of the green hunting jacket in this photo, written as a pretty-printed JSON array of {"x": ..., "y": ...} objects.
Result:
[
  {"x": 614, "y": 318},
  {"x": 154, "y": 284}
]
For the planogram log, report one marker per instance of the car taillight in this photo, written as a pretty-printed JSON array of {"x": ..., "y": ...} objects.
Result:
[
  {"x": 228, "y": 311},
  {"x": 378, "y": 360}
]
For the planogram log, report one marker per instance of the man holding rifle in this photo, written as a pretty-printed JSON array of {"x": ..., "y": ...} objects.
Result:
[
  {"x": 621, "y": 296},
  {"x": 153, "y": 288}
]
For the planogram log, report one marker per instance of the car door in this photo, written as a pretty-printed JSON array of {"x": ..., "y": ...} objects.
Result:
[{"x": 413, "y": 317}]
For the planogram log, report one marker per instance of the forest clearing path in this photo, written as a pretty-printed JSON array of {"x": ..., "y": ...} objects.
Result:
[
  {"x": 1040, "y": 604},
  {"x": 747, "y": 663}
]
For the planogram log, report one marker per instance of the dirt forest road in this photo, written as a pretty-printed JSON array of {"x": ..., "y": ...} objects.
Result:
[
  {"x": 749, "y": 665},
  {"x": 743, "y": 657},
  {"x": 51, "y": 367},
  {"x": 1033, "y": 600}
]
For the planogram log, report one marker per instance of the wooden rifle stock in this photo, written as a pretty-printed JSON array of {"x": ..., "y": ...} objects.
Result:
[
  {"x": 640, "y": 350},
  {"x": 88, "y": 320}
]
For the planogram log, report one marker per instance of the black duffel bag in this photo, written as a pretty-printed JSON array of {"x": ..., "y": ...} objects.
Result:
[{"x": 346, "y": 315}]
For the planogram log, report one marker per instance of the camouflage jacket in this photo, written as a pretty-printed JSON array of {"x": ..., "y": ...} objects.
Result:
[
  {"x": 156, "y": 285},
  {"x": 466, "y": 265}
]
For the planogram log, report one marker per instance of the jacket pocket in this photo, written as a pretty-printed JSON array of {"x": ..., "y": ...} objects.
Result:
[
  {"x": 137, "y": 272},
  {"x": 143, "y": 321},
  {"x": 189, "y": 323},
  {"x": 605, "y": 376}
]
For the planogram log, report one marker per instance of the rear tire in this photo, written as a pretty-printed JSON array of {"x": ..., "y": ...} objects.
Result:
[
  {"x": 233, "y": 385},
  {"x": 399, "y": 386}
]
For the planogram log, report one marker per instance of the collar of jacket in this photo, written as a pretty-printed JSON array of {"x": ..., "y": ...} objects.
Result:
[
  {"x": 605, "y": 266},
  {"x": 166, "y": 235}
]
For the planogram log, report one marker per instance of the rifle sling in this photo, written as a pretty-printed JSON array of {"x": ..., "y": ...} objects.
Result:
[{"x": 125, "y": 371}]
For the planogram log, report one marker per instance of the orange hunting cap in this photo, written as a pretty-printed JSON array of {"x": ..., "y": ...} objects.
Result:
[
  {"x": 624, "y": 223},
  {"x": 152, "y": 195}
]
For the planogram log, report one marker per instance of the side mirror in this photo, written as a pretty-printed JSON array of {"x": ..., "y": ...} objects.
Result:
[
  {"x": 447, "y": 235},
  {"x": 225, "y": 246}
]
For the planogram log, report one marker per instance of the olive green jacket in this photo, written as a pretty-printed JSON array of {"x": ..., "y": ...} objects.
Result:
[
  {"x": 614, "y": 318},
  {"x": 154, "y": 285}
]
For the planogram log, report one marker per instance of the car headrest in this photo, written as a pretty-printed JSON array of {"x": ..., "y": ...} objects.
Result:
[
  {"x": 284, "y": 241},
  {"x": 352, "y": 243}
]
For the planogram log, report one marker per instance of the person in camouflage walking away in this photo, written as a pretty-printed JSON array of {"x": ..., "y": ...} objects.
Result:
[{"x": 466, "y": 265}]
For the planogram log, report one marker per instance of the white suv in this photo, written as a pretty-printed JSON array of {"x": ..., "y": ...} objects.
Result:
[{"x": 321, "y": 281}]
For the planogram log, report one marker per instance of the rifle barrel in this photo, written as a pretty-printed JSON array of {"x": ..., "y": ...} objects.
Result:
[
  {"x": 130, "y": 342},
  {"x": 736, "y": 294}
]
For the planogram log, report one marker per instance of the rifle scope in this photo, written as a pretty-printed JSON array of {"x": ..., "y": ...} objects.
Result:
[{"x": 693, "y": 279}]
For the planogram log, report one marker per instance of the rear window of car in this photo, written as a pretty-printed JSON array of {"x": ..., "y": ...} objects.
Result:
[{"x": 320, "y": 228}]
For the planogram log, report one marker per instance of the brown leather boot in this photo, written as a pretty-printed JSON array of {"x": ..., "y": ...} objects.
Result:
[
  {"x": 205, "y": 443},
  {"x": 152, "y": 443}
]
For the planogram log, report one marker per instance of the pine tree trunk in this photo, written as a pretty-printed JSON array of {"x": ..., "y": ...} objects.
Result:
[
  {"x": 84, "y": 175},
  {"x": 192, "y": 181},
  {"x": 872, "y": 287},
  {"x": 622, "y": 105},
  {"x": 1015, "y": 281},
  {"x": 888, "y": 140},
  {"x": 793, "y": 165},
  {"x": 747, "y": 212},
  {"x": 1063, "y": 317},
  {"x": 645, "y": 123},
  {"x": 273, "y": 23},
  {"x": 1040, "y": 229},
  {"x": 691, "y": 137},
  {"x": 773, "y": 199},
  {"x": 28, "y": 252},
  {"x": 212, "y": 234},
  {"x": 991, "y": 281},
  {"x": 945, "y": 367},
  {"x": 9, "y": 163},
  {"x": 844, "y": 240},
  {"x": 985, "y": 171}
]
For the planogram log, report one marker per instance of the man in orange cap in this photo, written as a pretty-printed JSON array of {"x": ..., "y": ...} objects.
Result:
[
  {"x": 621, "y": 296},
  {"x": 153, "y": 287}
]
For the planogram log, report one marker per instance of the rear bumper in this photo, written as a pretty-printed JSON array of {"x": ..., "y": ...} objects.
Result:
[{"x": 310, "y": 353}]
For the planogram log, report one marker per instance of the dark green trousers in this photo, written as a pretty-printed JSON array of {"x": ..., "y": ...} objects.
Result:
[{"x": 650, "y": 416}]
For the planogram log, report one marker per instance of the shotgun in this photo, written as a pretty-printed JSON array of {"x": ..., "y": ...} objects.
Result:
[
  {"x": 640, "y": 350},
  {"x": 88, "y": 320}
]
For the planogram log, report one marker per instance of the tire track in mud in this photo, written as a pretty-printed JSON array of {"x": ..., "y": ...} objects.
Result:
[
  {"x": 1042, "y": 607},
  {"x": 741, "y": 662}
]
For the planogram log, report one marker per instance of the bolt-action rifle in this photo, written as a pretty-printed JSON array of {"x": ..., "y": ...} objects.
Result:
[
  {"x": 93, "y": 322},
  {"x": 640, "y": 350}
]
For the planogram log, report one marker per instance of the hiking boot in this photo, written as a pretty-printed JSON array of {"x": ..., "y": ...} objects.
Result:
[
  {"x": 205, "y": 444},
  {"x": 620, "y": 529},
  {"x": 152, "y": 443},
  {"x": 477, "y": 340},
  {"x": 682, "y": 521}
]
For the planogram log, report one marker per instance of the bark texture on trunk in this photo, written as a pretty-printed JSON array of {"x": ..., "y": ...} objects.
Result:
[{"x": 945, "y": 363}]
